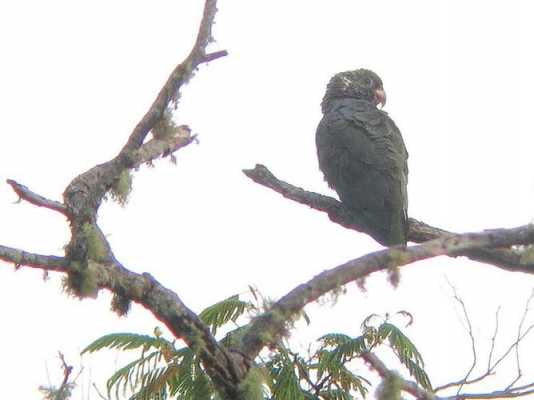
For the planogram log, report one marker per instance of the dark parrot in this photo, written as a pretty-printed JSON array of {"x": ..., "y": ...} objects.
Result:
[{"x": 362, "y": 155}]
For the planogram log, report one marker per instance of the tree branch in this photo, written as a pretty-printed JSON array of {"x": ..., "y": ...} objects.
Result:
[
  {"x": 419, "y": 232},
  {"x": 89, "y": 253},
  {"x": 178, "y": 77},
  {"x": 419, "y": 393},
  {"x": 155, "y": 148},
  {"x": 26, "y": 194},
  {"x": 408, "y": 386},
  {"x": 23, "y": 258},
  {"x": 269, "y": 326},
  {"x": 510, "y": 389}
]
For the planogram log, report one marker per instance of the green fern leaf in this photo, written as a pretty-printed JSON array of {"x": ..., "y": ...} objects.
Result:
[
  {"x": 419, "y": 374},
  {"x": 125, "y": 341},
  {"x": 190, "y": 381},
  {"x": 287, "y": 385},
  {"x": 224, "y": 311},
  {"x": 335, "y": 394},
  {"x": 404, "y": 348},
  {"x": 334, "y": 339}
]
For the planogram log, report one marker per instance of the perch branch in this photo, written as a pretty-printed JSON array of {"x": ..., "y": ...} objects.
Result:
[
  {"x": 419, "y": 232},
  {"x": 26, "y": 194}
]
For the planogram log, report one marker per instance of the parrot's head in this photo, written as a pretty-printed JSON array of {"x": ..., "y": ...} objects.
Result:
[{"x": 361, "y": 84}]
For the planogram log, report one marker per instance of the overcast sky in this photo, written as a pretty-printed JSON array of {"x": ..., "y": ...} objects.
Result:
[{"x": 76, "y": 76}]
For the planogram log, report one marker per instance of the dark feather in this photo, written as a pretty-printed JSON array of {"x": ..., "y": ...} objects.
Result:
[{"x": 363, "y": 157}]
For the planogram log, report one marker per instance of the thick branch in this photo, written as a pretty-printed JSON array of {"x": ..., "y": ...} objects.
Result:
[
  {"x": 268, "y": 327},
  {"x": 26, "y": 194},
  {"x": 82, "y": 199},
  {"x": 181, "y": 321},
  {"x": 418, "y": 231}
]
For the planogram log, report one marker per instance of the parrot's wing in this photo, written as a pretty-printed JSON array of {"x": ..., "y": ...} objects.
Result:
[{"x": 363, "y": 158}]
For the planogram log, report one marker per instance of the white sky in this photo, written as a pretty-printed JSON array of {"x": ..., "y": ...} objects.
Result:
[{"x": 76, "y": 76}]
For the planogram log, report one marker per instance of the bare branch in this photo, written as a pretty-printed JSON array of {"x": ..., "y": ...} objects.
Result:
[
  {"x": 498, "y": 394},
  {"x": 26, "y": 194},
  {"x": 492, "y": 366},
  {"x": 267, "y": 327},
  {"x": 516, "y": 345},
  {"x": 181, "y": 74},
  {"x": 494, "y": 337},
  {"x": 512, "y": 346},
  {"x": 471, "y": 337},
  {"x": 418, "y": 231},
  {"x": 23, "y": 258}
]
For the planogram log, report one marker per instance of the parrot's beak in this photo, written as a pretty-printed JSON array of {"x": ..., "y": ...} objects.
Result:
[{"x": 380, "y": 97}]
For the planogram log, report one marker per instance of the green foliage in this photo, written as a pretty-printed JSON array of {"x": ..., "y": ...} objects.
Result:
[
  {"x": 336, "y": 351},
  {"x": 284, "y": 380},
  {"x": 126, "y": 341},
  {"x": 162, "y": 371},
  {"x": 405, "y": 351},
  {"x": 122, "y": 187},
  {"x": 190, "y": 381},
  {"x": 220, "y": 313}
]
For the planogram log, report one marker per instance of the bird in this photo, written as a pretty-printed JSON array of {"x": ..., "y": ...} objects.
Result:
[{"x": 362, "y": 155}]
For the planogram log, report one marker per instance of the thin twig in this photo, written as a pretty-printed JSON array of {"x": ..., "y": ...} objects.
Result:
[
  {"x": 512, "y": 346},
  {"x": 519, "y": 329},
  {"x": 494, "y": 337},
  {"x": 67, "y": 369},
  {"x": 471, "y": 336}
]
